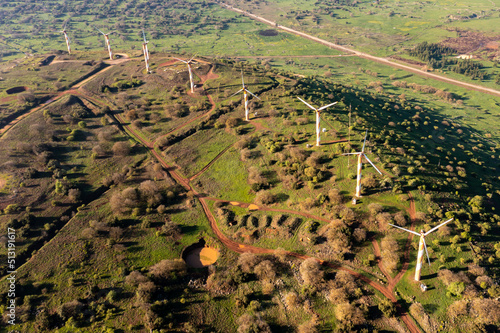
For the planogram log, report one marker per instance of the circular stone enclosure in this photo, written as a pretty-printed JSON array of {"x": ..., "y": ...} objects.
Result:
[
  {"x": 199, "y": 255},
  {"x": 268, "y": 32}
]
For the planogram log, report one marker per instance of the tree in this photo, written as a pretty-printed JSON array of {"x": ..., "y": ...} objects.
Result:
[
  {"x": 74, "y": 194},
  {"x": 247, "y": 261},
  {"x": 387, "y": 307},
  {"x": 455, "y": 289},
  {"x": 250, "y": 323},
  {"x": 265, "y": 198},
  {"x": 135, "y": 278},
  {"x": 150, "y": 193},
  {"x": 292, "y": 300},
  {"x": 349, "y": 315},
  {"x": 390, "y": 256},
  {"x": 121, "y": 148},
  {"x": 168, "y": 269},
  {"x": 70, "y": 309},
  {"x": 265, "y": 271},
  {"x": 145, "y": 291},
  {"x": 311, "y": 273}
]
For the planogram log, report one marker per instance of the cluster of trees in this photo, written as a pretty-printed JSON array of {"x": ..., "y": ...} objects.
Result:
[
  {"x": 434, "y": 55},
  {"x": 431, "y": 51},
  {"x": 134, "y": 200}
]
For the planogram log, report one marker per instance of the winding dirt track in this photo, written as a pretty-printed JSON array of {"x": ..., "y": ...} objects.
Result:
[
  {"x": 360, "y": 54},
  {"x": 239, "y": 247}
]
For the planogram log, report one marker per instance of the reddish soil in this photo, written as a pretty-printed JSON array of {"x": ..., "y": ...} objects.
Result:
[
  {"x": 168, "y": 63},
  {"x": 469, "y": 41}
]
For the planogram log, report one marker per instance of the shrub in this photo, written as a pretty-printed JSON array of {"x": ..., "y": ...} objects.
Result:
[
  {"x": 247, "y": 261},
  {"x": 121, "y": 148},
  {"x": 168, "y": 269},
  {"x": 264, "y": 198}
]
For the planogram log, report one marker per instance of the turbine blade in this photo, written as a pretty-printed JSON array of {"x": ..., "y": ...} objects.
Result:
[
  {"x": 425, "y": 247},
  {"x": 242, "y": 81},
  {"x": 251, "y": 93},
  {"x": 324, "y": 107},
  {"x": 439, "y": 226},
  {"x": 364, "y": 143},
  {"x": 144, "y": 35},
  {"x": 236, "y": 93},
  {"x": 307, "y": 104},
  {"x": 373, "y": 165},
  {"x": 99, "y": 30},
  {"x": 192, "y": 57},
  {"x": 181, "y": 60},
  {"x": 350, "y": 153},
  {"x": 411, "y": 231}
]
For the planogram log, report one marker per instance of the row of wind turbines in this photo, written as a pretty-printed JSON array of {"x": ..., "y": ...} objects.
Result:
[
  {"x": 145, "y": 49},
  {"x": 361, "y": 154}
]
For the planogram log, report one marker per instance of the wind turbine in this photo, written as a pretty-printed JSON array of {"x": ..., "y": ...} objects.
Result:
[
  {"x": 67, "y": 39},
  {"x": 318, "y": 139},
  {"x": 188, "y": 63},
  {"x": 421, "y": 246},
  {"x": 360, "y": 166},
  {"x": 245, "y": 98},
  {"x": 106, "y": 37},
  {"x": 145, "y": 51}
]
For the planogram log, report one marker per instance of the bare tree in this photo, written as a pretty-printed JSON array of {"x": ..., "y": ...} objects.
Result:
[
  {"x": 164, "y": 268},
  {"x": 150, "y": 192},
  {"x": 247, "y": 261},
  {"x": 121, "y": 148},
  {"x": 249, "y": 323},
  {"x": 311, "y": 273},
  {"x": 265, "y": 270}
]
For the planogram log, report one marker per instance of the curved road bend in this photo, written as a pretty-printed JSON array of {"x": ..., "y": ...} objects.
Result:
[{"x": 366, "y": 55}]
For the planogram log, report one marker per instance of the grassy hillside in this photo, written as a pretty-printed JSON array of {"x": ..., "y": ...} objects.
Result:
[{"x": 131, "y": 169}]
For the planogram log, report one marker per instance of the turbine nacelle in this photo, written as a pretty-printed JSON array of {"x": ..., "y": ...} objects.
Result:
[
  {"x": 318, "y": 112},
  {"x": 245, "y": 91}
]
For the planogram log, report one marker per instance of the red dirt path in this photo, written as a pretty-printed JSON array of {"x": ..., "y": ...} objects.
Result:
[{"x": 239, "y": 247}]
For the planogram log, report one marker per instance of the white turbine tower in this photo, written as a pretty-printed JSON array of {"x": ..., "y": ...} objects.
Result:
[
  {"x": 106, "y": 38},
  {"x": 67, "y": 39},
  {"x": 318, "y": 139},
  {"x": 421, "y": 246},
  {"x": 188, "y": 63},
  {"x": 361, "y": 154},
  {"x": 245, "y": 97},
  {"x": 145, "y": 51}
]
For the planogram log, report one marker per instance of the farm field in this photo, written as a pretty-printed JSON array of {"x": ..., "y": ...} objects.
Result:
[{"x": 137, "y": 205}]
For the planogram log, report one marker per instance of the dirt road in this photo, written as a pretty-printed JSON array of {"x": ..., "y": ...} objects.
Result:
[{"x": 387, "y": 291}]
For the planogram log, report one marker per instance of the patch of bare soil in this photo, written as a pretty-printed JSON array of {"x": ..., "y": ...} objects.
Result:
[
  {"x": 469, "y": 41},
  {"x": 201, "y": 257},
  {"x": 2, "y": 183}
]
